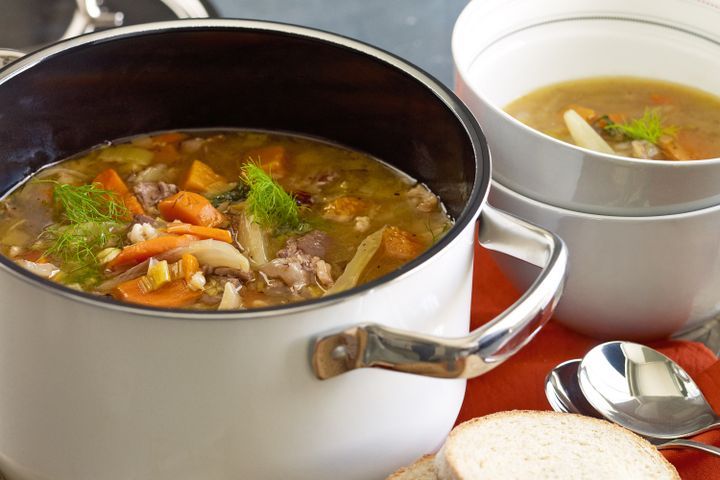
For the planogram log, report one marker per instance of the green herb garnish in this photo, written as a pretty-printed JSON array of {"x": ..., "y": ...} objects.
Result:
[
  {"x": 649, "y": 127},
  {"x": 270, "y": 205},
  {"x": 234, "y": 195},
  {"x": 91, "y": 219}
]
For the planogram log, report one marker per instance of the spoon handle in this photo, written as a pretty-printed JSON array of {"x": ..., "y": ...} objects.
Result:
[{"x": 683, "y": 443}]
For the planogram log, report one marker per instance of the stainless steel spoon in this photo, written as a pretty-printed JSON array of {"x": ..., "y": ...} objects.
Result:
[
  {"x": 643, "y": 390},
  {"x": 563, "y": 392}
]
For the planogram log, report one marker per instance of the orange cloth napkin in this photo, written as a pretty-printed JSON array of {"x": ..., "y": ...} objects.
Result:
[{"x": 519, "y": 382}]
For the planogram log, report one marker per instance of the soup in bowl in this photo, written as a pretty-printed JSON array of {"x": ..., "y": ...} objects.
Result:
[{"x": 502, "y": 56}]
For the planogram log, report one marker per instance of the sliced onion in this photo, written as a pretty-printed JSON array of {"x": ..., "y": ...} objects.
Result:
[
  {"x": 44, "y": 270},
  {"x": 354, "y": 269},
  {"x": 231, "y": 299},
  {"x": 137, "y": 271},
  {"x": 211, "y": 253}
]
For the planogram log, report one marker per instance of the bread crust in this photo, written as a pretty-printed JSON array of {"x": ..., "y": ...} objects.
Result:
[{"x": 422, "y": 466}]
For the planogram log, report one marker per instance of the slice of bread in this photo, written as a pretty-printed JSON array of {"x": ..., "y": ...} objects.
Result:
[
  {"x": 422, "y": 469},
  {"x": 535, "y": 445}
]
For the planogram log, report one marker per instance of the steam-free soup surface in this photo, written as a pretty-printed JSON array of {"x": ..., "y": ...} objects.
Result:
[
  {"x": 634, "y": 117},
  {"x": 218, "y": 220}
]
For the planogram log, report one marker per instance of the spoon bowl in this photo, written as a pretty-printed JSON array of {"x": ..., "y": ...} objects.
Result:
[
  {"x": 564, "y": 395},
  {"x": 645, "y": 391},
  {"x": 563, "y": 390}
]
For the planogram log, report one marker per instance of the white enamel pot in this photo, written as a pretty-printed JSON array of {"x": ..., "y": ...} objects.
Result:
[{"x": 350, "y": 386}]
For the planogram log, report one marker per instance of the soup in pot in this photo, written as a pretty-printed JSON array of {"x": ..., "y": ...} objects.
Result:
[
  {"x": 632, "y": 117},
  {"x": 218, "y": 220}
]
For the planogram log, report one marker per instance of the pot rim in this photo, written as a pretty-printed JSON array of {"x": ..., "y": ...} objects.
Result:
[{"x": 478, "y": 195}]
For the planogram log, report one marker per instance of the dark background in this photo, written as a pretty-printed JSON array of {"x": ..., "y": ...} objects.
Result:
[{"x": 417, "y": 30}]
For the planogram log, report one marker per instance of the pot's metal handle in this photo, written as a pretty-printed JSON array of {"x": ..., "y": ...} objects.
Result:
[{"x": 373, "y": 345}]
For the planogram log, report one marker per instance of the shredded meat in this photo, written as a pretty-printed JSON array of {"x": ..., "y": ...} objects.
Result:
[
  {"x": 150, "y": 193},
  {"x": 422, "y": 198},
  {"x": 298, "y": 268},
  {"x": 314, "y": 243},
  {"x": 233, "y": 272}
]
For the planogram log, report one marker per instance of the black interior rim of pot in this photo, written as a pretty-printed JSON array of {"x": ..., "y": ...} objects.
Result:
[{"x": 331, "y": 74}]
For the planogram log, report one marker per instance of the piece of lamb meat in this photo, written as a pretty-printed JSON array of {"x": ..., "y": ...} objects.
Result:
[
  {"x": 298, "y": 268},
  {"x": 150, "y": 193},
  {"x": 314, "y": 243}
]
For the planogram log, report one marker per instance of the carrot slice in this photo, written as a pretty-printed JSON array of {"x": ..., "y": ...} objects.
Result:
[
  {"x": 201, "y": 177},
  {"x": 588, "y": 114},
  {"x": 110, "y": 180},
  {"x": 141, "y": 251},
  {"x": 174, "y": 294},
  {"x": 660, "y": 99},
  {"x": 189, "y": 207},
  {"x": 200, "y": 232}
]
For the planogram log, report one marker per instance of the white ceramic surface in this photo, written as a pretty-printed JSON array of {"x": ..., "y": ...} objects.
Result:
[
  {"x": 504, "y": 49},
  {"x": 633, "y": 278},
  {"x": 146, "y": 397}
]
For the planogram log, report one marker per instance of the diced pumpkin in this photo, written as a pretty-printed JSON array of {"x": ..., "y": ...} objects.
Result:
[
  {"x": 133, "y": 204},
  {"x": 167, "y": 153},
  {"x": 110, "y": 180},
  {"x": 190, "y": 207},
  {"x": 344, "y": 209},
  {"x": 174, "y": 294},
  {"x": 202, "y": 178},
  {"x": 272, "y": 158},
  {"x": 400, "y": 244}
]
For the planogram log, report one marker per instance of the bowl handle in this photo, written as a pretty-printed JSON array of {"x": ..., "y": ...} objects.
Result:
[{"x": 373, "y": 345}]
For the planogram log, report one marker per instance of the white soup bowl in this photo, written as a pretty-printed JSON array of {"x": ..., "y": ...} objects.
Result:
[
  {"x": 504, "y": 49},
  {"x": 632, "y": 278}
]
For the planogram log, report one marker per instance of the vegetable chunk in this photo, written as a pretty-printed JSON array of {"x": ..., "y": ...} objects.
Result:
[
  {"x": 189, "y": 207},
  {"x": 400, "y": 244},
  {"x": 202, "y": 178}
]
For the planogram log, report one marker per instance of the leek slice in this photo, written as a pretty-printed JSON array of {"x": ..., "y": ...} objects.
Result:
[{"x": 354, "y": 269}]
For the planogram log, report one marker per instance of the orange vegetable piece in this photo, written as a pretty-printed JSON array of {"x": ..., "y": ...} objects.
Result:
[
  {"x": 190, "y": 265},
  {"x": 110, "y": 180},
  {"x": 167, "y": 138},
  {"x": 660, "y": 99},
  {"x": 200, "y": 177},
  {"x": 191, "y": 208},
  {"x": 167, "y": 153},
  {"x": 201, "y": 232},
  {"x": 174, "y": 294},
  {"x": 133, "y": 204},
  {"x": 141, "y": 251},
  {"x": 400, "y": 244},
  {"x": 272, "y": 159},
  {"x": 588, "y": 114},
  {"x": 344, "y": 209}
]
